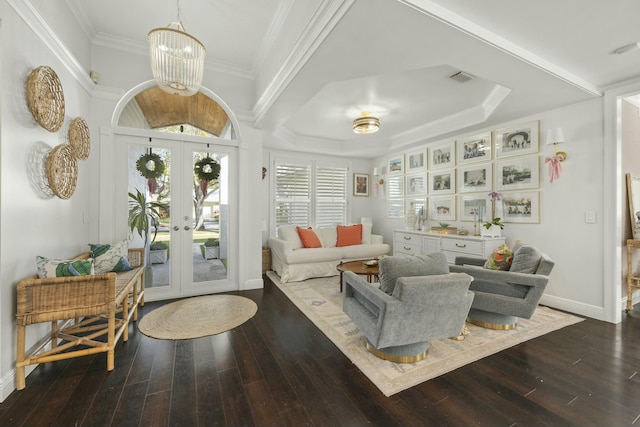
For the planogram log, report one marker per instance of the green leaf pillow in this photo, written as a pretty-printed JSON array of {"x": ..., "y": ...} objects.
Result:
[
  {"x": 111, "y": 257},
  {"x": 64, "y": 268}
]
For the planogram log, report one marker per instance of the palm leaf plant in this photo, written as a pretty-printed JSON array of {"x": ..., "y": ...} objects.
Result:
[{"x": 143, "y": 214}]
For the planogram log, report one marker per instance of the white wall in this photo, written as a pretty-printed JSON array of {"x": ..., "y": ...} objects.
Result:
[
  {"x": 32, "y": 223},
  {"x": 576, "y": 283}
]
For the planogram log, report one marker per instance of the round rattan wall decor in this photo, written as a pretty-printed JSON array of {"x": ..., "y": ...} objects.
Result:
[
  {"x": 79, "y": 138},
  {"x": 45, "y": 98},
  {"x": 62, "y": 171}
]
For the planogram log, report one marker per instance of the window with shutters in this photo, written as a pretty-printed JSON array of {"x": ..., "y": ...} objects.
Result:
[{"x": 310, "y": 193}]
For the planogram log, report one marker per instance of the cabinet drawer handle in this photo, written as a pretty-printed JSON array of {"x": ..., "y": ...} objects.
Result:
[
  {"x": 407, "y": 238},
  {"x": 407, "y": 248},
  {"x": 460, "y": 246}
]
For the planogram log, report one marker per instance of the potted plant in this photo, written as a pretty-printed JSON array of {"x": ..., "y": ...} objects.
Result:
[
  {"x": 210, "y": 248},
  {"x": 158, "y": 252},
  {"x": 494, "y": 227}
]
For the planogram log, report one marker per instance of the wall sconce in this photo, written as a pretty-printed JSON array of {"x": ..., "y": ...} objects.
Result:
[
  {"x": 377, "y": 177},
  {"x": 555, "y": 137}
]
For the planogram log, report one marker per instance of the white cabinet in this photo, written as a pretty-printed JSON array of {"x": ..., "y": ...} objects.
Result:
[{"x": 410, "y": 242}]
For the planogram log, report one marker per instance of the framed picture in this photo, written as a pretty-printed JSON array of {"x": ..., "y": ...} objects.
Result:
[
  {"x": 475, "y": 177},
  {"x": 395, "y": 165},
  {"x": 475, "y": 148},
  {"x": 360, "y": 184},
  {"x": 442, "y": 182},
  {"x": 395, "y": 208},
  {"x": 418, "y": 205},
  {"x": 518, "y": 173},
  {"x": 416, "y": 161},
  {"x": 395, "y": 187},
  {"x": 442, "y": 208},
  {"x": 470, "y": 206},
  {"x": 523, "y": 207},
  {"x": 416, "y": 184},
  {"x": 442, "y": 155},
  {"x": 517, "y": 140}
]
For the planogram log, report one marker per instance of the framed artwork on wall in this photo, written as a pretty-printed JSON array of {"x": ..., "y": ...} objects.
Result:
[
  {"x": 517, "y": 140},
  {"x": 442, "y": 155},
  {"x": 395, "y": 165},
  {"x": 518, "y": 173},
  {"x": 416, "y": 161},
  {"x": 442, "y": 182},
  {"x": 417, "y": 205},
  {"x": 442, "y": 208},
  {"x": 476, "y": 148},
  {"x": 416, "y": 184},
  {"x": 520, "y": 207},
  {"x": 360, "y": 184},
  {"x": 470, "y": 205},
  {"x": 395, "y": 208},
  {"x": 475, "y": 177}
]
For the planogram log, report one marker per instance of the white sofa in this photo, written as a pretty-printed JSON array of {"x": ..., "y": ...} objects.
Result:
[{"x": 293, "y": 262}]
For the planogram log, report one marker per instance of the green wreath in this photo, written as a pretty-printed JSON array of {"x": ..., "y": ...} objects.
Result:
[
  {"x": 207, "y": 169},
  {"x": 142, "y": 164}
]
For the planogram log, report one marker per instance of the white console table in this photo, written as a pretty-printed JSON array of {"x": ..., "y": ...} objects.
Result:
[{"x": 408, "y": 242}]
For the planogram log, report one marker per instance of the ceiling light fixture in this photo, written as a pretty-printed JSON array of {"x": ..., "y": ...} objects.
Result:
[
  {"x": 177, "y": 59},
  {"x": 366, "y": 124}
]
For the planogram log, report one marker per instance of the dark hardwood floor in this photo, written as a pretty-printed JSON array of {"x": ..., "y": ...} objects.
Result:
[{"x": 278, "y": 369}]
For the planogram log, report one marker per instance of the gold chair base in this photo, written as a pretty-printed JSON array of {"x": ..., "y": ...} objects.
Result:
[
  {"x": 393, "y": 357},
  {"x": 496, "y": 326}
]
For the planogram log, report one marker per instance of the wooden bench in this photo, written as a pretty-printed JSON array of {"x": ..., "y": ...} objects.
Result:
[{"x": 80, "y": 309}]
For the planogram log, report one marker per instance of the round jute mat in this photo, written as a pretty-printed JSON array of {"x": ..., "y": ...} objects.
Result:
[{"x": 197, "y": 317}]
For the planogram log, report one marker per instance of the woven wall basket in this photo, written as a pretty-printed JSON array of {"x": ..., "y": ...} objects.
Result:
[
  {"x": 62, "y": 171},
  {"x": 45, "y": 98},
  {"x": 79, "y": 138}
]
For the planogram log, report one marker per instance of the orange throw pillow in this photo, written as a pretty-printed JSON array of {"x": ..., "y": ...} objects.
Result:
[
  {"x": 309, "y": 238},
  {"x": 349, "y": 235}
]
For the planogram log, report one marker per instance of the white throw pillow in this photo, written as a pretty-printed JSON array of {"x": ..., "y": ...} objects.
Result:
[
  {"x": 329, "y": 236},
  {"x": 288, "y": 233},
  {"x": 366, "y": 233}
]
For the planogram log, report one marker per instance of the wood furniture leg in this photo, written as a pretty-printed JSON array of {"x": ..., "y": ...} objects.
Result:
[{"x": 20, "y": 375}]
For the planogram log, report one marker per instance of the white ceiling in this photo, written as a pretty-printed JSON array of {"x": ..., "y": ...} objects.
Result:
[{"x": 394, "y": 58}]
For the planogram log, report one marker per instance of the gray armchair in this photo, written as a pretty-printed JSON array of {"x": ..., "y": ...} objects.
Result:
[
  {"x": 398, "y": 327},
  {"x": 503, "y": 296}
]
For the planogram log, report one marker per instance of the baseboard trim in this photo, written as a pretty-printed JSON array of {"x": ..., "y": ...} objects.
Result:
[{"x": 574, "y": 307}]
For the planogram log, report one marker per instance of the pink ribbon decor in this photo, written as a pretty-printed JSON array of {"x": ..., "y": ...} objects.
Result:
[{"x": 555, "y": 167}]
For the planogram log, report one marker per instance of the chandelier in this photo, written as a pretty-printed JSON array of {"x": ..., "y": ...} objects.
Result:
[
  {"x": 177, "y": 59},
  {"x": 366, "y": 124}
]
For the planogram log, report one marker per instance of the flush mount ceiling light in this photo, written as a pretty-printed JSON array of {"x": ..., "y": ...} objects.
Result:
[
  {"x": 366, "y": 124},
  {"x": 177, "y": 59},
  {"x": 627, "y": 48}
]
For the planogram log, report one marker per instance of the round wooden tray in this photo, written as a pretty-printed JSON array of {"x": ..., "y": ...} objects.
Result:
[
  {"x": 79, "y": 138},
  {"x": 62, "y": 171},
  {"x": 45, "y": 98}
]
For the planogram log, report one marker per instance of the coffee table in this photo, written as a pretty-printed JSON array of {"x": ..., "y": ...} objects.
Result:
[{"x": 359, "y": 267}]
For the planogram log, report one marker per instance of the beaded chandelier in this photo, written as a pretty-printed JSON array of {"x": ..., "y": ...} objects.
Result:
[{"x": 177, "y": 59}]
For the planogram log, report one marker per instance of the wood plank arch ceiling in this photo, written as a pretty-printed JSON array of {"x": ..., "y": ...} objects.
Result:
[{"x": 162, "y": 109}]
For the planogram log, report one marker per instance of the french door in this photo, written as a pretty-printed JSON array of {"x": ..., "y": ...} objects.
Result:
[{"x": 191, "y": 249}]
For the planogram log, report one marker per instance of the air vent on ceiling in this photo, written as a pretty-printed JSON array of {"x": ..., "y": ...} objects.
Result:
[{"x": 461, "y": 77}]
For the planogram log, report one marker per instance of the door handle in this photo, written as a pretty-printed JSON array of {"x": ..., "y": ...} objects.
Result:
[
  {"x": 187, "y": 228},
  {"x": 176, "y": 228}
]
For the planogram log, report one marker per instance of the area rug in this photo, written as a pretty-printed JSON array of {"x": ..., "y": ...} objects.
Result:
[
  {"x": 321, "y": 301},
  {"x": 197, "y": 317}
]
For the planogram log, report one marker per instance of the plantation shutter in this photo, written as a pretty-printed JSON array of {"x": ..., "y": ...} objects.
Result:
[
  {"x": 330, "y": 196},
  {"x": 293, "y": 194}
]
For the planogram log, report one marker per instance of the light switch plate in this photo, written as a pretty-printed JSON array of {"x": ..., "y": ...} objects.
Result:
[{"x": 590, "y": 217}]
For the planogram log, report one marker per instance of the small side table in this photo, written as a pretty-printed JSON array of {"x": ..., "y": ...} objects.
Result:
[
  {"x": 266, "y": 260},
  {"x": 359, "y": 267},
  {"x": 633, "y": 281}
]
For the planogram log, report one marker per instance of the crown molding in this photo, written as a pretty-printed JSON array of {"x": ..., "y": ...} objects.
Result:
[
  {"x": 460, "y": 23},
  {"x": 322, "y": 22},
  {"x": 32, "y": 18}
]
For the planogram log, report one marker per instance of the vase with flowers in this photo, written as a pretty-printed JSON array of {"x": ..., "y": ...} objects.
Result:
[{"x": 494, "y": 226}]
